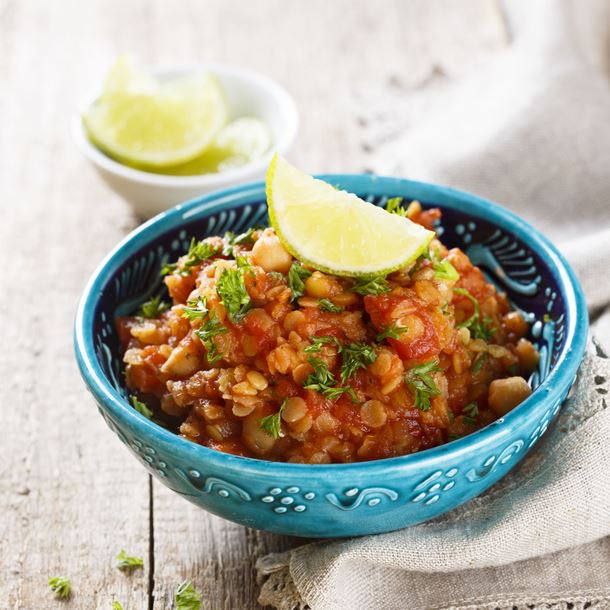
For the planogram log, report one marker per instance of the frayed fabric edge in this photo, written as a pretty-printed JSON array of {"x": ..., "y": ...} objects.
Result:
[{"x": 277, "y": 588}]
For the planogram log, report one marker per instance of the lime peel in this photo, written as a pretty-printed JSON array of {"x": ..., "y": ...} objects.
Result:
[{"x": 335, "y": 231}]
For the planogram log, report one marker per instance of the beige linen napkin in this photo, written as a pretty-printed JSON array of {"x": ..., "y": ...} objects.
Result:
[{"x": 529, "y": 128}]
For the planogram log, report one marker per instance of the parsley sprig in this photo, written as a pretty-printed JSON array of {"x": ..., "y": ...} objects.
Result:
[
  {"x": 392, "y": 331},
  {"x": 355, "y": 356},
  {"x": 420, "y": 380},
  {"x": 211, "y": 328},
  {"x": 196, "y": 309},
  {"x": 140, "y": 407},
  {"x": 393, "y": 206},
  {"x": 198, "y": 252},
  {"x": 318, "y": 342},
  {"x": 186, "y": 597},
  {"x": 61, "y": 586},
  {"x": 273, "y": 423},
  {"x": 479, "y": 328},
  {"x": 296, "y": 280},
  {"x": 323, "y": 380},
  {"x": 231, "y": 289},
  {"x": 375, "y": 285},
  {"x": 242, "y": 239},
  {"x": 471, "y": 409},
  {"x": 443, "y": 269},
  {"x": 479, "y": 362},
  {"x": 126, "y": 562},
  {"x": 153, "y": 308},
  {"x": 329, "y": 306}
]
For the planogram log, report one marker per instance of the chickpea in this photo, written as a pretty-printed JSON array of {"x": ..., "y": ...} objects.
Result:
[
  {"x": 506, "y": 394},
  {"x": 319, "y": 285},
  {"x": 183, "y": 361},
  {"x": 269, "y": 253},
  {"x": 255, "y": 438},
  {"x": 527, "y": 355}
]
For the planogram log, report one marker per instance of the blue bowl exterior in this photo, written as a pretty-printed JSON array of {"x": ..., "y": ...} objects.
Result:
[{"x": 340, "y": 499}]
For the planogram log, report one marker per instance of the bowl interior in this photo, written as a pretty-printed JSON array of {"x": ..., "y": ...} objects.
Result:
[{"x": 507, "y": 250}]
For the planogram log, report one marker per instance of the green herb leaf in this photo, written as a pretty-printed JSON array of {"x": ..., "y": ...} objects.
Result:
[
  {"x": 273, "y": 423},
  {"x": 328, "y": 305},
  {"x": 296, "y": 280},
  {"x": 196, "y": 309},
  {"x": 318, "y": 342},
  {"x": 394, "y": 206},
  {"x": 443, "y": 269},
  {"x": 471, "y": 409},
  {"x": 186, "y": 597},
  {"x": 372, "y": 285},
  {"x": 391, "y": 332},
  {"x": 420, "y": 380},
  {"x": 244, "y": 265},
  {"x": 355, "y": 356},
  {"x": 210, "y": 329},
  {"x": 125, "y": 561},
  {"x": 469, "y": 421},
  {"x": 322, "y": 380},
  {"x": 198, "y": 252},
  {"x": 61, "y": 586},
  {"x": 140, "y": 407},
  {"x": 479, "y": 329},
  {"x": 153, "y": 308},
  {"x": 231, "y": 289},
  {"x": 479, "y": 362}
]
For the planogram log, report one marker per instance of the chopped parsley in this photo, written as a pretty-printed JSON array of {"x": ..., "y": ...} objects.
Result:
[
  {"x": 140, "y": 407},
  {"x": 420, "y": 380},
  {"x": 328, "y": 305},
  {"x": 153, "y": 308},
  {"x": 61, "y": 586},
  {"x": 391, "y": 332},
  {"x": 471, "y": 409},
  {"x": 393, "y": 206},
  {"x": 443, "y": 269},
  {"x": 322, "y": 380},
  {"x": 231, "y": 289},
  {"x": 196, "y": 309},
  {"x": 210, "y": 329},
  {"x": 371, "y": 285},
  {"x": 469, "y": 421},
  {"x": 198, "y": 252},
  {"x": 318, "y": 342},
  {"x": 244, "y": 264},
  {"x": 273, "y": 423},
  {"x": 296, "y": 280},
  {"x": 355, "y": 356},
  {"x": 243, "y": 239},
  {"x": 186, "y": 597},
  {"x": 126, "y": 562},
  {"x": 479, "y": 362},
  {"x": 479, "y": 329}
]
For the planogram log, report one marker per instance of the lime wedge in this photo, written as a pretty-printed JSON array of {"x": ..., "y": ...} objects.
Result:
[
  {"x": 144, "y": 122},
  {"x": 335, "y": 231},
  {"x": 239, "y": 142}
]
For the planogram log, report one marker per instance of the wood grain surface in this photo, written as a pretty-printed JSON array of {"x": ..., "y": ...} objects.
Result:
[{"x": 71, "y": 496}]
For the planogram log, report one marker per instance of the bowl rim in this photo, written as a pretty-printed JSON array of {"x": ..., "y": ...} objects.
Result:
[
  {"x": 254, "y": 79},
  {"x": 551, "y": 389}
]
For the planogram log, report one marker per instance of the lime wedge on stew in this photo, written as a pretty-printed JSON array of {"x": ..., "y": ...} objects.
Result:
[
  {"x": 335, "y": 231},
  {"x": 237, "y": 143},
  {"x": 145, "y": 122}
]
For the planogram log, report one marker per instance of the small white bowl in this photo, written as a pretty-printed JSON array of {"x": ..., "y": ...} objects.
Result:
[{"x": 248, "y": 94}]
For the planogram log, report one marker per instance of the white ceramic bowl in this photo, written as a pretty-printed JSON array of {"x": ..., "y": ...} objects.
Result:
[{"x": 248, "y": 94}]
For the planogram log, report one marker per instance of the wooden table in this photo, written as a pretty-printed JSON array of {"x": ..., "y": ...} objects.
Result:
[{"x": 71, "y": 496}]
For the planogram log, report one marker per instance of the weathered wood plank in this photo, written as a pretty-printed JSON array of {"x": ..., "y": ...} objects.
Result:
[{"x": 70, "y": 494}]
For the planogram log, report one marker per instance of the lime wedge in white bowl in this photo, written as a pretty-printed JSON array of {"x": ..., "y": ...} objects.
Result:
[
  {"x": 144, "y": 122},
  {"x": 336, "y": 231}
]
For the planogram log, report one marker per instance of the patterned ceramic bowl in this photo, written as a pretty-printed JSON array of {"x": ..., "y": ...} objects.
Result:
[{"x": 339, "y": 499}]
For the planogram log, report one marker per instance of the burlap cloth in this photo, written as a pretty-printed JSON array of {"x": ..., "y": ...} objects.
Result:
[{"x": 530, "y": 128}]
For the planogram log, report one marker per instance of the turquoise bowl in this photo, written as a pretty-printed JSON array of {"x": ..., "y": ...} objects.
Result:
[{"x": 339, "y": 499}]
